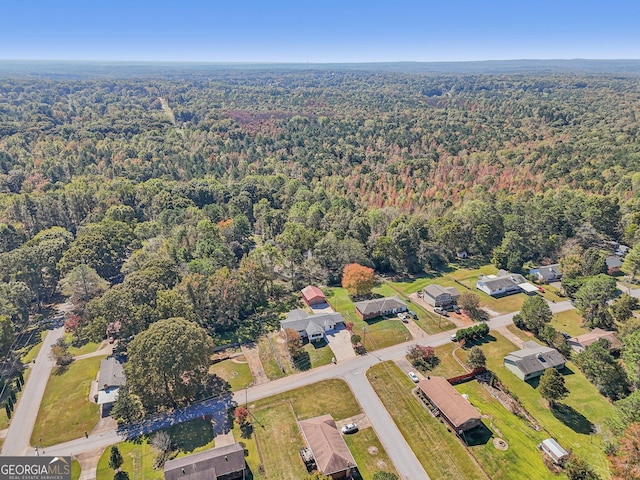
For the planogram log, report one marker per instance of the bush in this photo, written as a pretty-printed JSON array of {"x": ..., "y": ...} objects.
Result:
[
  {"x": 473, "y": 333},
  {"x": 422, "y": 358}
]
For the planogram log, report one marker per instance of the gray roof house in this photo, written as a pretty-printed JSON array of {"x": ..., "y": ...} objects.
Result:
[
  {"x": 533, "y": 360},
  {"x": 504, "y": 283},
  {"x": 222, "y": 463},
  {"x": 614, "y": 263},
  {"x": 547, "y": 273},
  {"x": 579, "y": 343},
  {"x": 380, "y": 306},
  {"x": 110, "y": 379},
  {"x": 438, "y": 296},
  {"x": 311, "y": 326}
]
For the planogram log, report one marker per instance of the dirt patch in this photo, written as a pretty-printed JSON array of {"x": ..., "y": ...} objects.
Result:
[
  {"x": 239, "y": 359},
  {"x": 251, "y": 355},
  {"x": 500, "y": 444},
  {"x": 372, "y": 450}
]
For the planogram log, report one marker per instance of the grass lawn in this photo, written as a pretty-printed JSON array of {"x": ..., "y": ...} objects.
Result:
[
  {"x": 521, "y": 460},
  {"x": 138, "y": 462},
  {"x": 65, "y": 412},
  {"x": 189, "y": 437},
  {"x": 315, "y": 354},
  {"x": 464, "y": 279},
  {"x": 569, "y": 423},
  {"x": 380, "y": 333},
  {"x": 448, "y": 367},
  {"x": 439, "y": 450},
  {"x": 368, "y": 453},
  {"x": 75, "y": 470},
  {"x": 277, "y": 436},
  {"x": 569, "y": 321},
  {"x": 4, "y": 421},
  {"x": 268, "y": 359},
  {"x": 88, "y": 347},
  {"x": 236, "y": 373},
  {"x": 29, "y": 353}
]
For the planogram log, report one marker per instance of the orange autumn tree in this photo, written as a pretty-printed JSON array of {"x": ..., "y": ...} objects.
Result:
[{"x": 357, "y": 279}]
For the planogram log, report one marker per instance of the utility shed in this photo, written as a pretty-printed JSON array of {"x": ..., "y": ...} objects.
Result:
[{"x": 553, "y": 450}]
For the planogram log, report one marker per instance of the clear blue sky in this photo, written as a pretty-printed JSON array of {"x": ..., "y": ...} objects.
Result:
[{"x": 318, "y": 31}]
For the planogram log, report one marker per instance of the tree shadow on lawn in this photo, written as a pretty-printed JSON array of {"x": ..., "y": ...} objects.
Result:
[
  {"x": 302, "y": 362},
  {"x": 480, "y": 341},
  {"x": 572, "y": 418},
  {"x": 479, "y": 435},
  {"x": 60, "y": 370},
  {"x": 190, "y": 435}
]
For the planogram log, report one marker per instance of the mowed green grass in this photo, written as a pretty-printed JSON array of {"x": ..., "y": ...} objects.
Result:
[
  {"x": 439, "y": 450},
  {"x": 268, "y": 359},
  {"x": 75, "y": 470},
  {"x": 427, "y": 321},
  {"x": 447, "y": 366},
  {"x": 276, "y": 440},
  {"x": 138, "y": 462},
  {"x": 316, "y": 354},
  {"x": 66, "y": 412},
  {"x": 521, "y": 460},
  {"x": 189, "y": 437},
  {"x": 237, "y": 373},
  {"x": 465, "y": 281},
  {"x": 585, "y": 402},
  {"x": 569, "y": 321},
  {"x": 379, "y": 333}
]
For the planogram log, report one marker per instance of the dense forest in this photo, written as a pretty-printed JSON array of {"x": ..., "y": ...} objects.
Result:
[{"x": 210, "y": 196}]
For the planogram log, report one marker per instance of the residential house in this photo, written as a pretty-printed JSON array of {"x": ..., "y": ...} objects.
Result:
[
  {"x": 453, "y": 407},
  {"x": 438, "y": 296},
  {"x": 110, "y": 378},
  {"x": 380, "y": 306},
  {"x": 504, "y": 283},
  {"x": 311, "y": 326},
  {"x": 581, "y": 342},
  {"x": 331, "y": 454},
  {"x": 533, "y": 360},
  {"x": 547, "y": 273},
  {"x": 553, "y": 450},
  {"x": 313, "y": 296},
  {"x": 222, "y": 463}
]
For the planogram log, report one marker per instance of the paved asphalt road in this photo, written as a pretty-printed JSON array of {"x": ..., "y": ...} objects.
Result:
[
  {"x": 352, "y": 371},
  {"x": 24, "y": 416}
]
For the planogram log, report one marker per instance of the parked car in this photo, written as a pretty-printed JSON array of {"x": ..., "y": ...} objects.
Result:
[
  {"x": 566, "y": 335},
  {"x": 350, "y": 428},
  {"x": 403, "y": 317},
  {"x": 413, "y": 377},
  {"x": 456, "y": 308},
  {"x": 413, "y": 315},
  {"x": 454, "y": 338},
  {"x": 541, "y": 290},
  {"x": 441, "y": 311}
]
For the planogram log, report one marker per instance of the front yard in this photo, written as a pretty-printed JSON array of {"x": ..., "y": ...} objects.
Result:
[
  {"x": 66, "y": 412},
  {"x": 439, "y": 450},
  {"x": 276, "y": 439},
  {"x": 235, "y": 371},
  {"x": 380, "y": 333},
  {"x": 569, "y": 321}
]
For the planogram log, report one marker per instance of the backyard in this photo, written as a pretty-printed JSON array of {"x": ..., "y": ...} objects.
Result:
[
  {"x": 66, "y": 412},
  {"x": 420, "y": 429},
  {"x": 572, "y": 420}
]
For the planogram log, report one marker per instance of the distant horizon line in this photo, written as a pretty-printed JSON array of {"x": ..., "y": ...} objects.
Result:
[{"x": 303, "y": 62}]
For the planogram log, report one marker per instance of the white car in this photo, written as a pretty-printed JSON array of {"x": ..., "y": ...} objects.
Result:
[
  {"x": 413, "y": 377},
  {"x": 350, "y": 428}
]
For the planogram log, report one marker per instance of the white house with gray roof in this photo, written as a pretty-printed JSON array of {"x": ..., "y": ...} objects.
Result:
[
  {"x": 547, "y": 273},
  {"x": 533, "y": 360},
  {"x": 311, "y": 326},
  {"x": 110, "y": 379},
  {"x": 380, "y": 306},
  {"x": 438, "y": 296},
  {"x": 504, "y": 283}
]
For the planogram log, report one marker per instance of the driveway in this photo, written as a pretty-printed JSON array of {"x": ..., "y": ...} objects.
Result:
[{"x": 340, "y": 342}]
